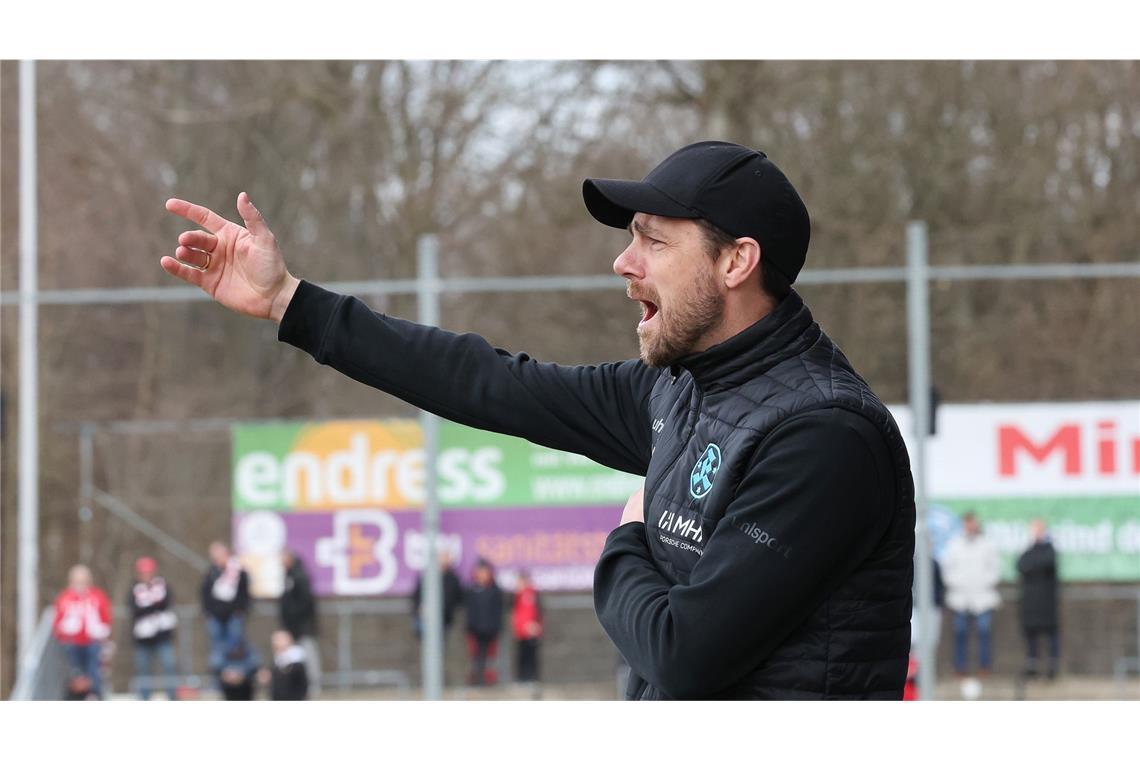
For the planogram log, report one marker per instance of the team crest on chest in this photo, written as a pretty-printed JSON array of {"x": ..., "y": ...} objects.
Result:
[{"x": 704, "y": 471}]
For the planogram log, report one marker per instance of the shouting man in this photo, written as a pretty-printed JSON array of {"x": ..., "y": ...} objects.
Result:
[{"x": 769, "y": 555}]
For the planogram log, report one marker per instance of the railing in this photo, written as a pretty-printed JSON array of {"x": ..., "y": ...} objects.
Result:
[
  {"x": 42, "y": 674},
  {"x": 43, "y": 670}
]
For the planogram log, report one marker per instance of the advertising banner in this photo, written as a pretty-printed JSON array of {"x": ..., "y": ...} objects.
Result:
[
  {"x": 1074, "y": 465},
  {"x": 347, "y": 496}
]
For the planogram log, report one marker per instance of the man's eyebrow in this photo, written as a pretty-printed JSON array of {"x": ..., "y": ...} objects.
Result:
[{"x": 644, "y": 229}]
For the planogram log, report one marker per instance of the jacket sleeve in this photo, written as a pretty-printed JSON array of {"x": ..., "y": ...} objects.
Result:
[
  {"x": 599, "y": 411},
  {"x": 823, "y": 486},
  {"x": 992, "y": 567},
  {"x": 105, "y": 613},
  {"x": 1025, "y": 563},
  {"x": 241, "y": 601}
]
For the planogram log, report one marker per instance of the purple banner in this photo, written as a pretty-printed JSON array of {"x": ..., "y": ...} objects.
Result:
[{"x": 355, "y": 552}]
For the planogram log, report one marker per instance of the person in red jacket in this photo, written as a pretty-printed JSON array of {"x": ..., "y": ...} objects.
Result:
[
  {"x": 82, "y": 624},
  {"x": 526, "y": 621}
]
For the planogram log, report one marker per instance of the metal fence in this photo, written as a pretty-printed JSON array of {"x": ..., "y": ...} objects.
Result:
[{"x": 45, "y": 672}]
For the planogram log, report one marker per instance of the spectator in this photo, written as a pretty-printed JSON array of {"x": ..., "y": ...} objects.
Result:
[
  {"x": 526, "y": 620},
  {"x": 225, "y": 602},
  {"x": 299, "y": 615},
  {"x": 452, "y": 595},
  {"x": 153, "y": 623},
  {"x": 1037, "y": 569},
  {"x": 484, "y": 607},
  {"x": 82, "y": 625},
  {"x": 971, "y": 570},
  {"x": 237, "y": 671},
  {"x": 287, "y": 678}
]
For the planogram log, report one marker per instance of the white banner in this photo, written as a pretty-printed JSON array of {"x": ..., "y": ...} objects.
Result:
[{"x": 1032, "y": 450}]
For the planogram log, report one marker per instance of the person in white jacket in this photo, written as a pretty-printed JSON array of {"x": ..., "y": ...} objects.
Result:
[{"x": 971, "y": 570}]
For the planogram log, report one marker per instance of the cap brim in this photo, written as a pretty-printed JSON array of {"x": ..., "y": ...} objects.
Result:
[{"x": 613, "y": 202}]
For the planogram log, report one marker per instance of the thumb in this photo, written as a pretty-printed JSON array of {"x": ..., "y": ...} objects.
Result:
[{"x": 254, "y": 221}]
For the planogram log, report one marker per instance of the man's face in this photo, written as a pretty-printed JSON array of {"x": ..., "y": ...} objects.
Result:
[
  {"x": 972, "y": 526},
  {"x": 219, "y": 554},
  {"x": 280, "y": 641},
  {"x": 79, "y": 579},
  {"x": 668, "y": 269}
]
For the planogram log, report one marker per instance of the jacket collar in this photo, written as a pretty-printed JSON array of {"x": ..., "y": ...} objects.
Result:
[{"x": 786, "y": 331}]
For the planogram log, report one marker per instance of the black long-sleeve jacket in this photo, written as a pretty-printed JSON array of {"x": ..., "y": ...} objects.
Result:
[
  {"x": 1037, "y": 569},
  {"x": 152, "y": 611},
  {"x": 775, "y": 557},
  {"x": 298, "y": 606},
  {"x": 223, "y": 608}
]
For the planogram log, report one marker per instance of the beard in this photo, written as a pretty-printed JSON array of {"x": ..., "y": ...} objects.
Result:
[{"x": 680, "y": 327}]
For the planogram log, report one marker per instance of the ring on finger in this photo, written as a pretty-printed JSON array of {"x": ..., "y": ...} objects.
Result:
[{"x": 202, "y": 268}]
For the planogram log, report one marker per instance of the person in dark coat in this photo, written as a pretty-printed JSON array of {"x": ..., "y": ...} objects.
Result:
[
  {"x": 1037, "y": 568},
  {"x": 286, "y": 678},
  {"x": 484, "y": 607},
  {"x": 452, "y": 595},
  {"x": 299, "y": 615}
]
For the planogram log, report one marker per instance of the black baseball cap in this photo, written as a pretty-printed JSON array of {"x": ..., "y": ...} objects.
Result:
[{"x": 735, "y": 188}]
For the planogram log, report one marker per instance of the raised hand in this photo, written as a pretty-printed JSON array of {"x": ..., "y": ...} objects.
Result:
[{"x": 239, "y": 267}]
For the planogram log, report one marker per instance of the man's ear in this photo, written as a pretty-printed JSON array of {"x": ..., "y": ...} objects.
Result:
[{"x": 740, "y": 261}]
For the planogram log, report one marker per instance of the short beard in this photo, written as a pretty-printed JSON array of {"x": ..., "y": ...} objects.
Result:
[{"x": 683, "y": 325}]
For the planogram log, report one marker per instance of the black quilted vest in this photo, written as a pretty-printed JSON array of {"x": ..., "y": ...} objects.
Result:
[{"x": 856, "y": 643}]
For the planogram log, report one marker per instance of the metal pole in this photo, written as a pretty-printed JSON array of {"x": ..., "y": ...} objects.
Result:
[
  {"x": 431, "y": 608},
  {"x": 28, "y": 572},
  {"x": 344, "y": 648},
  {"x": 918, "y": 358},
  {"x": 86, "y": 493}
]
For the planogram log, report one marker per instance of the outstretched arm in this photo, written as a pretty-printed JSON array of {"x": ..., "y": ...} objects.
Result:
[{"x": 599, "y": 411}]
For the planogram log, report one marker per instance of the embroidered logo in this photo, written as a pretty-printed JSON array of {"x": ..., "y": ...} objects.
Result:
[{"x": 701, "y": 479}]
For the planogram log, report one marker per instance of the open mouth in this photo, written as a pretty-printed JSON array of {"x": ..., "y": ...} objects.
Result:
[{"x": 648, "y": 311}]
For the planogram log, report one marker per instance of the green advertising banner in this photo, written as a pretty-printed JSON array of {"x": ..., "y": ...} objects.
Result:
[
  {"x": 349, "y": 464},
  {"x": 1095, "y": 538}
]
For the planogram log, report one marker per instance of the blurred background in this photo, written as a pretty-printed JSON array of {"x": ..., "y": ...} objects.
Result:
[{"x": 146, "y": 407}]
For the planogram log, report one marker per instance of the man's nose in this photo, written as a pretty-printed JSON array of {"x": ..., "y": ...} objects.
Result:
[{"x": 627, "y": 264}]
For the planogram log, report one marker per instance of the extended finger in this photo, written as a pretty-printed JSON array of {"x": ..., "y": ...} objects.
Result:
[
  {"x": 192, "y": 257},
  {"x": 195, "y": 213},
  {"x": 254, "y": 221},
  {"x": 199, "y": 239},
  {"x": 189, "y": 274}
]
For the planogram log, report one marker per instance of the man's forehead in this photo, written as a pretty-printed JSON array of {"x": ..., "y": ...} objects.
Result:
[{"x": 644, "y": 222}]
